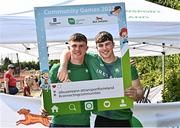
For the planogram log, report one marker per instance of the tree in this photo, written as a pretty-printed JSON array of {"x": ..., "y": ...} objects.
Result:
[
  {"x": 175, "y": 4},
  {"x": 149, "y": 69},
  {"x": 5, "y": 63},
  {"x": 171, "y": 91},
  {"x": 150, "y": 74}
]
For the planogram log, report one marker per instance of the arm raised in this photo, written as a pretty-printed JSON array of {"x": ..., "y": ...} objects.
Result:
[{"x": 63, "y": 72}]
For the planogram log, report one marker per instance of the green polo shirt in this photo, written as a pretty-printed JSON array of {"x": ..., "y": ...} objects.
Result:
[
  {"x": 101, "y": 70},
  {"x": 76, "y": 73}
]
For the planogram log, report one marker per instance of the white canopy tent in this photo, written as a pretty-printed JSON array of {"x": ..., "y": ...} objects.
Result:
[
  {"x": 149, "y": 26},
  {"x": 153, "y": 29}
]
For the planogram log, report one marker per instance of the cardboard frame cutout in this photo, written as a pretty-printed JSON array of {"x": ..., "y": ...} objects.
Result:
[{"x": 81, "y": 16}]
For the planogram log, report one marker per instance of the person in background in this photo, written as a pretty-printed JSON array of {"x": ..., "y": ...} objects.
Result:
[
  {"x": 27, "y": 86},
  {"x": 36, "y": 83},
  {"x": 10, "y": 81}
]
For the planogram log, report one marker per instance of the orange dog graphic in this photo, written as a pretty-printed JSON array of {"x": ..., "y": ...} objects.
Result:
[{"x": 32, "y": 118}]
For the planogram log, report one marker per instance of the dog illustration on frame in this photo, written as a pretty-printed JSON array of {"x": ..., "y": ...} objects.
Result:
[
  {"x": 99, "y": 18},
  {"x": 32, "y": 118}
]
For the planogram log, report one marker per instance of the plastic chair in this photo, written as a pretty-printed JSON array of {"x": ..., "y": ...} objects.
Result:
[{"x": 146, "y": 94}]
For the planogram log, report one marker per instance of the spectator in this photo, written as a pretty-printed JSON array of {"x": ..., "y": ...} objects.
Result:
[
  {"x": 27, "y": 86},
  {"x": 10, "y": 81}
]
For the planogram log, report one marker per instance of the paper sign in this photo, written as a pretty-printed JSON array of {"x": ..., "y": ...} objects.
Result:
[{"x": 87, "y": 90}]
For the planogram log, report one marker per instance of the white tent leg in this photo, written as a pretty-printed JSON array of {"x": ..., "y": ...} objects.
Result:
[
  {"x": 163, "y": 70},
  {"x": 163, "y": 65}
]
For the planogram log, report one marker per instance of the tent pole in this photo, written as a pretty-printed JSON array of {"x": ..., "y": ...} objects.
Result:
[
  {"x": 19, "y": 66},
  {"x": 163, "y": 65}
]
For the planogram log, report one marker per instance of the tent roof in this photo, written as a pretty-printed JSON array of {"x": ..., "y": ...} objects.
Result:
[
  {"x": 135, "y": 10},
  {"x": 146, "y": 22}
]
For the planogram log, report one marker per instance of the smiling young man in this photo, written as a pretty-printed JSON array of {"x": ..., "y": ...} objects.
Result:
[
  {"x": 77, "y": 71},
  {"x": 110, "y": 67},
  {"x": 105, "y": 65}
]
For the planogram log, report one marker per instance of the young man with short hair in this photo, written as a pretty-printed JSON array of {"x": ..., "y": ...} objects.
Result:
[
  {"x": 111, "y": 68},
  {"x": 77, "y": 71}
]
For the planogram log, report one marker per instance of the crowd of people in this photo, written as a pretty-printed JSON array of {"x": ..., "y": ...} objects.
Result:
[{"x": 25, "y": 87}]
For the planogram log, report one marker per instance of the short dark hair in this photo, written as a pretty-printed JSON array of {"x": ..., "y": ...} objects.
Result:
[
  {"x": 78, "y": 37},
  {"x": 103, "y": 36}
]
